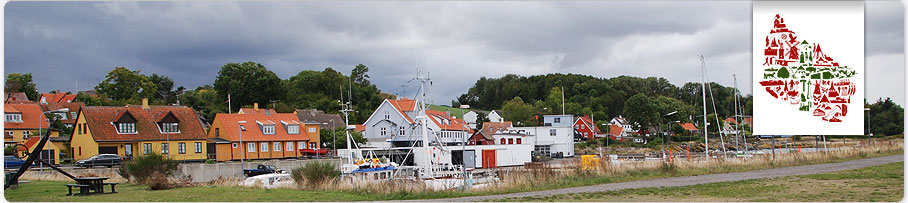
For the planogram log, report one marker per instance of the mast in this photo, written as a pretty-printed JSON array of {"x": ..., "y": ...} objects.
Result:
[
  {"x": 422, "y": 117},
  {"x": 703, "y": 90},
  {"x": 718, "y": 125},
  {"x": 737, "y": 116}
]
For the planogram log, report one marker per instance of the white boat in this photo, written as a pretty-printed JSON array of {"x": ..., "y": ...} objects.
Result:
[{"x": 274, "y": 180}]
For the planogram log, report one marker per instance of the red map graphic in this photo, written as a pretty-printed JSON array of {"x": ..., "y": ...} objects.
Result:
[{"x": 799, "y": 73}]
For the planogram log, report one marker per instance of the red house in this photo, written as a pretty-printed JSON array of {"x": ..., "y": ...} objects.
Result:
[
  {"x": 484, "y": 136},
  {"x": 586, "y": 127}
]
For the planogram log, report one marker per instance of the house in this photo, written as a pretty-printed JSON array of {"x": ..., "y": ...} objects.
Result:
[
  {"x": 730, "y": 126},
  {"x": 690, "y": 128},
  {"x": 495, "y": 116},
  {"x": 359, "y": 128},
  {"x": 173, "y": 131},
  {"x": 470, "y": 118},
  {"x": 67, "y": 118},
  {"x": 53, "y": 148},
  {"x": 585, "y": 126},
  {"x": 484, "y": 136},
  {"x": 255, "y": 110},
  {"x": 324, "y": 120},
  {"x": 23, "y": 120},
  {"x": 616, "y": 132},
  {"x": 393, "y": 123},
  {"x": 260, "y": 136},
  {"x": 555, "y": 138},
  {"x": 15, "y": 97},
  {"x": 626, "y": 125},
  {"x": 64, "y": 97}
]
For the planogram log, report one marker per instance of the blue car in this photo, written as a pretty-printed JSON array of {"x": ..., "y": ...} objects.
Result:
[{"x": 12, "y": 162}]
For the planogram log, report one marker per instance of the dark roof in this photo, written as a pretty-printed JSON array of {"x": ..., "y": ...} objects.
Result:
[
  {"x": 100, "y": 118},
  {"x": 15, "y": 97},
  {"x": 219, "y": 140},
  {"x": 319, "y": 117}
]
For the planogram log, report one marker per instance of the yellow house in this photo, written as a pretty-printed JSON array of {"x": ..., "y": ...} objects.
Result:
[
  {"x": 22, "y": 121},
  {"x": 173, "y": 131}
]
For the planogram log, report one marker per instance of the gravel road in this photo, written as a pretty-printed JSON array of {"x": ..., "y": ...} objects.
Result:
[{"x": 695, "y": 180}]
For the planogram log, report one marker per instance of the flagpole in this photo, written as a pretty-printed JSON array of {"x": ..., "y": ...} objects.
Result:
[{"x": 229, "y": 109}]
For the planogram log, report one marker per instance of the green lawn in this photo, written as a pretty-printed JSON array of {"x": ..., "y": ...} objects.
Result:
[{"x": 872, "y": 184}]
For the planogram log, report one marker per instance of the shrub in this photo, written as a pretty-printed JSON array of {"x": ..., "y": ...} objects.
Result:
[
  {"x": 143, "y": 169},
  {"x": 210, "y": 161},
  {"x": 315, "y": 173}
]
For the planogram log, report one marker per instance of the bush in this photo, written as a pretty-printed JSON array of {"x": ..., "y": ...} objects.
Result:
[
  {"x": 211, "y": 161},
  {"x": 315, "y": 173},
  {"x": 148, "y": 168}
]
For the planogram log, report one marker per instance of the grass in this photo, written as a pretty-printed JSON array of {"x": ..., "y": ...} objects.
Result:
[
  {"x": 871, "y": 184},
  {"x": 513, "y": 181}
]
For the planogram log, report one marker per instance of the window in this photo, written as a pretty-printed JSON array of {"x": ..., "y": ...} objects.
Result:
[
  {"x": 277, "y": 146},
  {"x": 301, "y": 145},
  {"x": 519, "y": 141},
  {"x": 170, "y": 128},
  {"x": 217, "y": 133},
  {"x": 293, "y": 129},
  {"x": 402, "y": 131},
  {"x": 10, "y": 133},
  {"x": 289, "y": 146},
  {"x": 72, "y": 115},
  {"x": 387, "y": 115},
  {"x": 165, "y": 148},
  {"x": 14, "y": 118},
  {"x": 311, "y": 130},
  {"x": 147, "y": 149},
  {"x": 250, "y": 147},
  {"x": 552, "y": 132},
  {"x": 313, "y": 145},
  {"x": 198, "y": 147},
  {"x": 384, "y": 131},
  {"x": 127, "y": 128},
  {"x": 234, "y": 145},
  {"x": 264, "y": 146},
  {"x": 502, "y": 141},
  {"x": 268, "y": 129},
  {"x": 79, "y": 127},
  {"x": 128, "y": 149},
  {"x": 181, "y": 148},
  {"x": 557, "y": 120},
  {"x": 582, "y": 126},
  {"x": 61, "y": 115},
  {"x": 26, "y": 133},
  {"x": 243, "y": 127},
  {"x": 510, "y": 141}
]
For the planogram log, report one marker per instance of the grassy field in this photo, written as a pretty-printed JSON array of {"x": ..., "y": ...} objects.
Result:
[
  {"x": 55, "y": 191},
  {"x": 872, "y": 184}
]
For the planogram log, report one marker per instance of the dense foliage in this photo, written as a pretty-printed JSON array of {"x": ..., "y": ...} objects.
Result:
[
  {"x": 886, "y": 118},
  {"x": 328, "y": 137},
  {"x": 146, "y": 169},
  {"x": 16, "y": 82},
  {"x": 315, "y": 173}
]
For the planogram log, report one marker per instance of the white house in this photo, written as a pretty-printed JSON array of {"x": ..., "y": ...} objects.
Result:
[
  {"x": 555, "y": 138},
  {"x": 620, "y": 121},
  {"x": 470, "y": 118},
  {"x": 394, "y": 123},
  {"x": 495, "y": 116}
]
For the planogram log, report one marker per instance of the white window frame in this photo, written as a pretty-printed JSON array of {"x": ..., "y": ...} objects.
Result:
[
  {"x": 165, "y": 148},
  {"x": 198, "y": 147},
  {"x": 387, "y": 115},
  {"x": 61, "y": 115},
  {"x": 181, "y": 148},
  {"x": 235, "y": 145},
  {"x": 312, "y": 129},
  {"x": 277, "y": 146},
  {"x": 313, "y": 145},
  {"x": 289, "y": 146},
  {"x": 384, "y": 131},
  {"x": 250, "y": 147},
  {"x": 263, "y": 146},
  {"x": 127, "y": 149},
  {"x": 557, "y": 120},
  {"x": 126, "y": 128},
  {"x": 26, "y": 133},
  {"x": 14, "y": 117},
  {"x": 170, "y": 128},
  {"x": 403, "y": 130},
  {"x": 553, "y": 132},
  {"x": 73, "y": 115},
  {"x": 301, "y": 145},
  {"x": 268, "y": 129},
  {"x": 293, "y": 129},
  {"x": 148, "y": 148}
]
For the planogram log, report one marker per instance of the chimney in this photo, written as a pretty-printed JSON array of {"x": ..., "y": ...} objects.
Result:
[
  {"x": 255, "y": 106},
  {"x": 145, "y": 103}
]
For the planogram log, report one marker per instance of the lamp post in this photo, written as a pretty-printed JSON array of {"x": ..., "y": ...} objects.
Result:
[
  {"x": 868, "y": 126},
  {"x": 663, "y": 135},
  {"x": 243, "y": 155},
  {"x": 463, "y": 145},
  {"x": 316, "y": 150},
  {"x": 607, "y": 138},
  {"x": 63, "y": 110},
  {"x": 334, "y": 136}
]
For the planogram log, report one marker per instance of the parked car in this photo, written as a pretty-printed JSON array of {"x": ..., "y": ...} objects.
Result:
[
  {"x": 261, "y": 169},
  {"x": 108, "y": 160},
  {"x": 12, "y": 162}
]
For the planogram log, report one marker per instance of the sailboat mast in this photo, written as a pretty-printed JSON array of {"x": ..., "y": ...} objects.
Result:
[{"x": 703, "y": 91}]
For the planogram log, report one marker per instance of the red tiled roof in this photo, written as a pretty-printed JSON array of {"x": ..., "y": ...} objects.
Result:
[
  {"x": 688, "y": 126},
  {"x": 15, "y": 97},
  {"x": 589, "y": 122},
  {"x": 452, "y": 124},
  {"x": 489, "y": 128},
  {"x": 31, "y": 113},
  {"x": 731, "y": 120},
  {"x": 749, "y": 121},
  {"x": 404, "y": 105},
  {"x": 58, "y": 97},
  {"x": 260, "y": 111},
  {"x": 72, "y": 106},
  {"x": 99, "y": 120},
  {"x": 359, "y": 128},
  {"x": 230, "y": 127},
  {"x": 615, "y": 130}
]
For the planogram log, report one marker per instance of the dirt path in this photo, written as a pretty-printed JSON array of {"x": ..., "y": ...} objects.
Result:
[{"x": 694, "y": 180}]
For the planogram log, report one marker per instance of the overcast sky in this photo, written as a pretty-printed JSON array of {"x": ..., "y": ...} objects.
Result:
[{"x": 72, "y": 45}]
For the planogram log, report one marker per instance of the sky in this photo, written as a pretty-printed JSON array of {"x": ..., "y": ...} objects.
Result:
[{"x": 70, "y": 46}]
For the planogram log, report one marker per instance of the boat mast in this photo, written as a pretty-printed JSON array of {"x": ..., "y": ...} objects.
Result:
[
  {"x": 422, "y": 117},
  {"x": 703, "y": 90}
]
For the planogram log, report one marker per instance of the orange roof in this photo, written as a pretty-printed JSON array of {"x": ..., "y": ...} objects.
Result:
[
  {"x": 452, "y": 124},
  {"x": 31, "y": 114},
  {"x": 615, "y": 130},
  {"x": 404, "y": 105},
  {"x": 253, "y": 111},
  {"x": 100, "y": 122},
  {"x": 589, "y": 122},
  {"x": 230, "y": 127},
  {"x": 731, "y": 120},
  {"x": 16, "y": 97},
  {"x": 688, "y": 126},
  {"x": 58, "y": 97},
  {"x": 359, "y": 128},
  {"x": 489, "y": 128},
  {"x": 749, "y": 121}
]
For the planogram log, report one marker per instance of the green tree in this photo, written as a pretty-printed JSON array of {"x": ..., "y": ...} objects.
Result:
[
  {"x": 127, "y": 85},
  {"x": 165, "y": 93},
  {"x": 205, "y": 100},
  {"x": 519, "y": 112},
  {"x": 640, "y": 109},
  {"x": 327, "y": 137},
  {"x": 17, "y": 82},
  {"x": 360, "y": 74},
  {"x": 248, "y": 83}
]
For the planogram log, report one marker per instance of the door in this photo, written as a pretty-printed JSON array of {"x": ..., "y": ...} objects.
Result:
[
  {"x": 212, "y": 150},
  {"x": 469, "y": 159},
  {"x": 47, "y": 155},
  {"x": 127, "y": 149},
  {"x": 107, "y": 150},
  {"x": 488, "y": 158}
]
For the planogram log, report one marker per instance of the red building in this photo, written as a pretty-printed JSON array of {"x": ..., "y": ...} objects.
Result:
[{"x": 586, "y": 127}]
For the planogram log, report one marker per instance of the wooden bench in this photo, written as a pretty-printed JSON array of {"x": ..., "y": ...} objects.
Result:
[
  {"x": 83, "y": 189},
  {"x": 113, "y": 188}
]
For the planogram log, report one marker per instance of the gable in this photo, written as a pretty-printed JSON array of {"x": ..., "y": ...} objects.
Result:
[
  {"x": 124, "y": 117},
  {"x": 168, "y": 118}
]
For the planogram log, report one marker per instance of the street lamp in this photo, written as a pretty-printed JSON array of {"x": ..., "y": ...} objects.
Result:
[
  {"x": 663, "y": 135},
  {"x": 243, "y": 154},
  {"x": 463, "y": 145}
]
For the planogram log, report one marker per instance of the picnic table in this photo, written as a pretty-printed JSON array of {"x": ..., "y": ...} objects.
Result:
[{"x": 91, "y": 185}]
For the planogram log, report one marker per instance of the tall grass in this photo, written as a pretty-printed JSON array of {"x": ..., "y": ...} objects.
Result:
[{"x": 315, "y": 173}]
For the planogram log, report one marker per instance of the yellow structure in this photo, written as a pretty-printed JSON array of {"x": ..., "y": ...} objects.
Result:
[{"x": 590, "y": 162}]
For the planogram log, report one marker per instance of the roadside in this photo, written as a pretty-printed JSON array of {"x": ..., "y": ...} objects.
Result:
[
  {"x": 695, "y": 180},
  {"x": 872, "y": 184}
]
